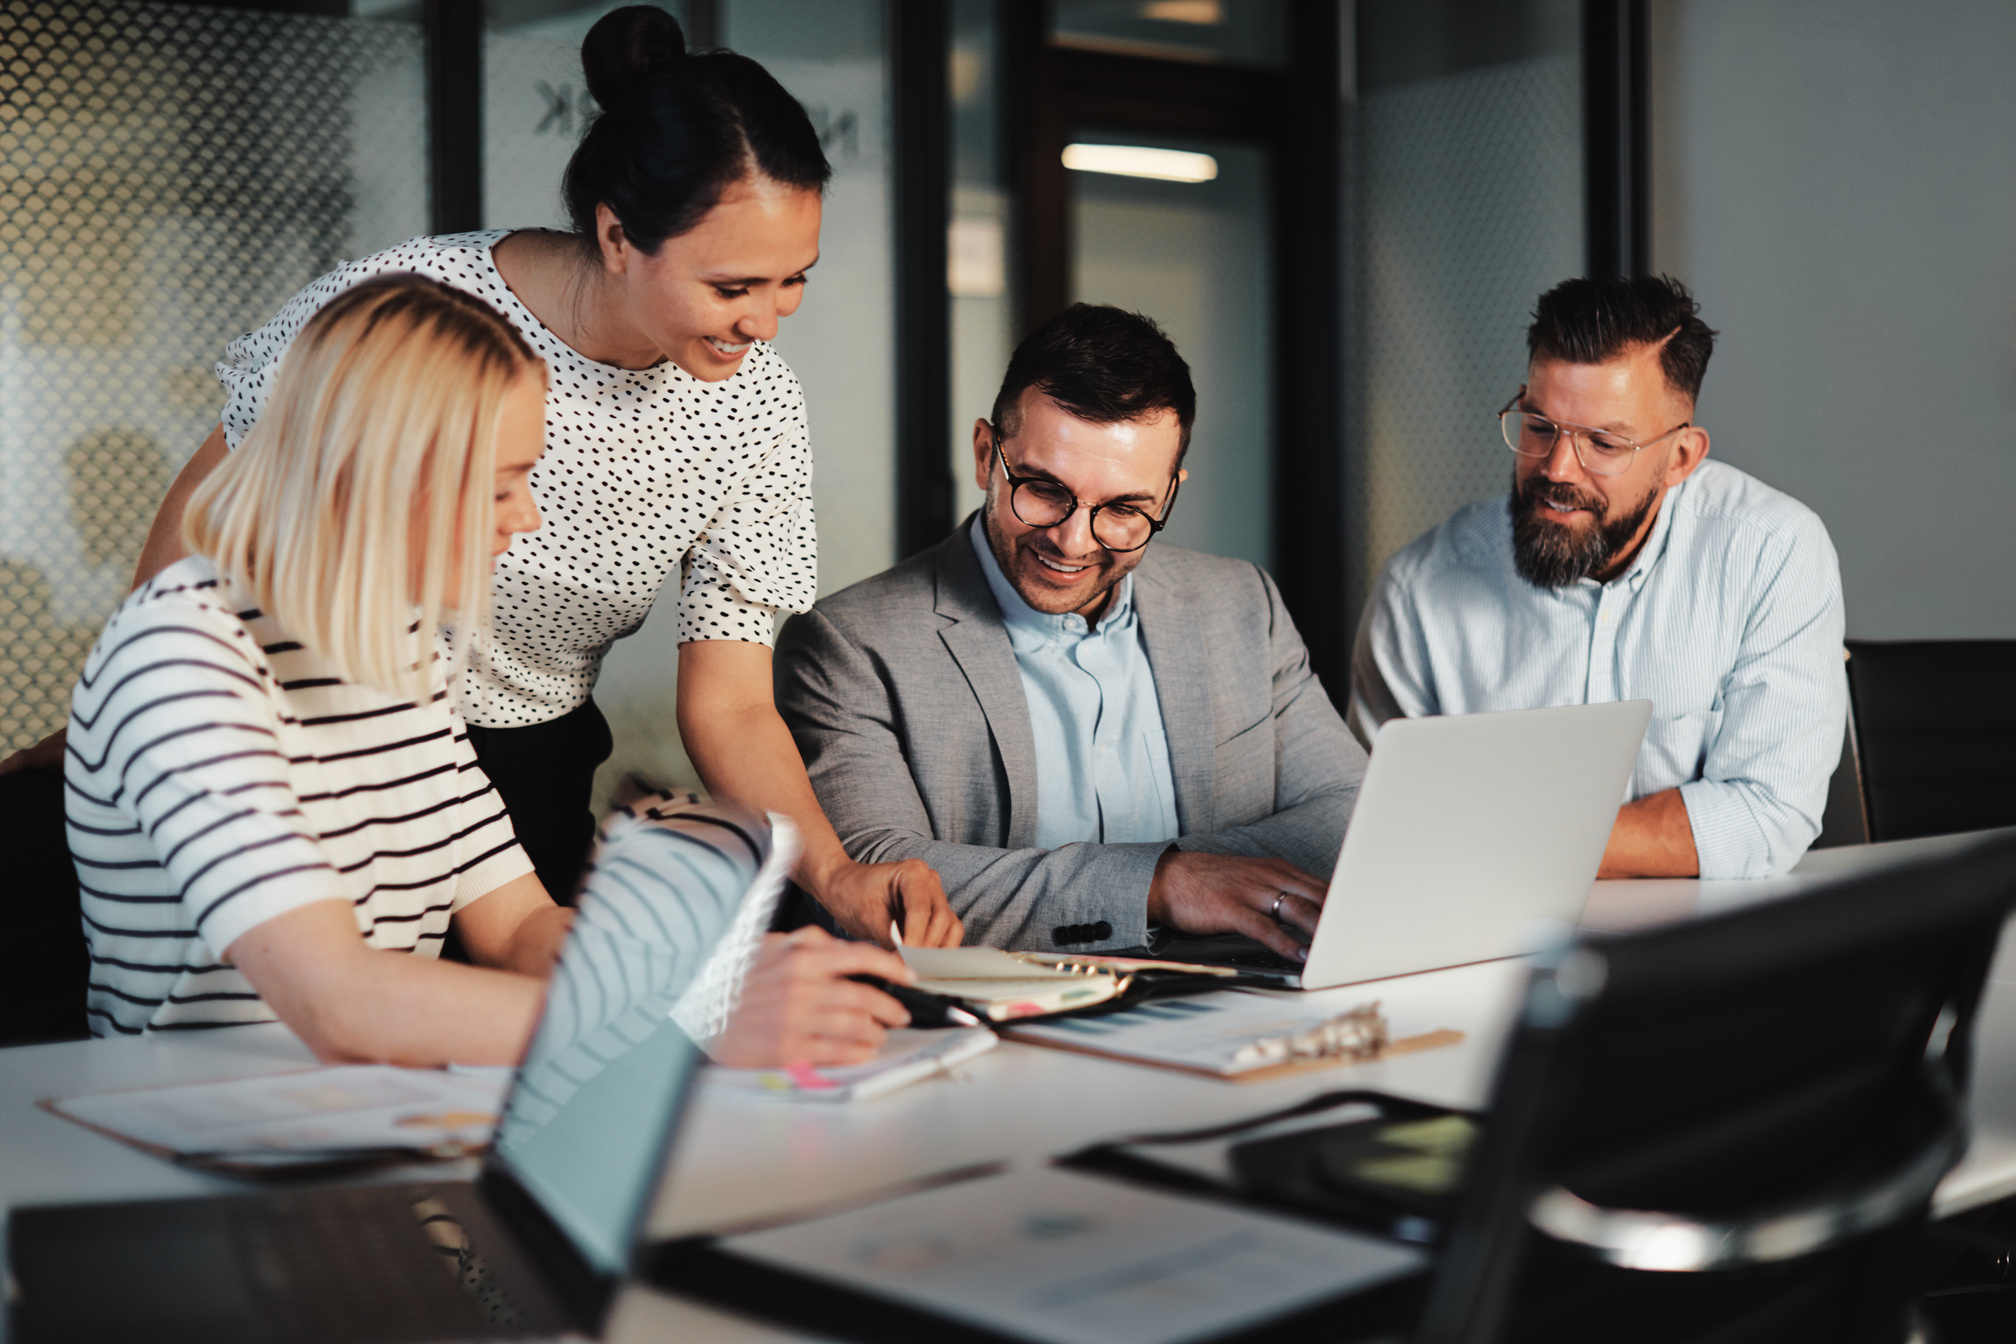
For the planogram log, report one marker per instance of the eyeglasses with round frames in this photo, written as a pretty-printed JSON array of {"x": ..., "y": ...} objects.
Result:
[
  {"x": 1609, "y": 453},
  {"x": 1116, "y": 527}
]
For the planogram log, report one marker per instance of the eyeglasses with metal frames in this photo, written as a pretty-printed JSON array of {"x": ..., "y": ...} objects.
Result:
[
  {"x": 1042, "y": 504},
  {"x": 1609, "y": 453}
]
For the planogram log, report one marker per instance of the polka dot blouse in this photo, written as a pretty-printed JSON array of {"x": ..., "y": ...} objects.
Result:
[{"x": 645, "y": 472}]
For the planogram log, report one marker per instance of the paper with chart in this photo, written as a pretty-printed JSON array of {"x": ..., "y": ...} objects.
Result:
[
  {"x": 309, "y": 1115},
  {"x": 1058, "y": 1256}
]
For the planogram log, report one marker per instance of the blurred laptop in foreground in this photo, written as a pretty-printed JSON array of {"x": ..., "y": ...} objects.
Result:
[{"x": 672, "y": 913}]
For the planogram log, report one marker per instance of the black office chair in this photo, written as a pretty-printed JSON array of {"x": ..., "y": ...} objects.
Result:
[
  {"x": 1935, "y": 723},
  {"x": 1729, "y": 1130},
  {"x": 47, "y": 968}
]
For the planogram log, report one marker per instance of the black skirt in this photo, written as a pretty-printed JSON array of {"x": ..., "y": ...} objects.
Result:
[{"x": 545, "y": 773}]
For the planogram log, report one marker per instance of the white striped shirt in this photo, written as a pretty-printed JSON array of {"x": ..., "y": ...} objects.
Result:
[
  {"x": 218, "y": 775},
  {"x": 1729, "y": 621}
]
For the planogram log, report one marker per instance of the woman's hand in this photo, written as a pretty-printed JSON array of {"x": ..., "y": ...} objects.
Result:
[
  {"x": 353, "y": 1003},
  {"x": 798, "y": 1007},
  {"x": 866, "y": 898}
]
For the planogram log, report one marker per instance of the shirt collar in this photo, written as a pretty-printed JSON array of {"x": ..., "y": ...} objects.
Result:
[
  {"x": 1655, "y": 540},
  {"x": 1023, "y": 619}
]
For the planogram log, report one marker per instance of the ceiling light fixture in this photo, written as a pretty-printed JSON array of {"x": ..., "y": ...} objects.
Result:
[
  {"x": 1164, "y": 165},
  {"x": 1185, "y": 11}
]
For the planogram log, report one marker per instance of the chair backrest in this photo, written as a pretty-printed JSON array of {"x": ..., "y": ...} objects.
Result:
[
  {"x": 42, "y": 992},
  {"x": 1845, "y": 819},
  {"x": 1729, "y": 1128},
  {"x": 1935, "y": 724}
]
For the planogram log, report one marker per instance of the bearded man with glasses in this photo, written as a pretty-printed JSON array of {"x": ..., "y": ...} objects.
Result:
[
  {"x": 1089, "y": 734},
  {"x": 1624, "y": 565}
]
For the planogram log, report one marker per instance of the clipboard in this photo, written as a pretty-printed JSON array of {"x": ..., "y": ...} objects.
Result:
[{"x": 1202, "y": 1035}]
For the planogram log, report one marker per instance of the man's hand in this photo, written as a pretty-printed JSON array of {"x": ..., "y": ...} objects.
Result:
[
  {"x": 1652, "y": 837},
  {"x": 44, "y": 755},
  {"x": 1228, "y": 893},
  {"x": 798, "y": 1007},
  {"x": 865, "y": 897}
]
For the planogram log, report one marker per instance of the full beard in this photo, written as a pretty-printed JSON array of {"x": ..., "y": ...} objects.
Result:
[{"x": 1553, "y": 555}]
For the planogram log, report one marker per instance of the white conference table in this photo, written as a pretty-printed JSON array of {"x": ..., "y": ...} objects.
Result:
[{"x": 739, "y": 1159}]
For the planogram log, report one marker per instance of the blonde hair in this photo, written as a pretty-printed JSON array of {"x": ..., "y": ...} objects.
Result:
[{"x": 379, "y": 437}]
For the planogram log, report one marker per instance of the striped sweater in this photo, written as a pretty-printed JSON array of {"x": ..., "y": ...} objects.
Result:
[{"x": 218, "y": 774}]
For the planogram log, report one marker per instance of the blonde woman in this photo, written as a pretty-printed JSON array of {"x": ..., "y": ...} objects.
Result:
[{"x": 273, "y": 803}]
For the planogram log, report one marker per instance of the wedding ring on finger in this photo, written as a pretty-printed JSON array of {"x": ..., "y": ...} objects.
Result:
[{"x": 1274, "y": 912}]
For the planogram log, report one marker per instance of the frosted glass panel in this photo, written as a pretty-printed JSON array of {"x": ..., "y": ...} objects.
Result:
[
  {"x": 1196, "y": 257},
  {"x": 171, "y": 175},
  {"x": 1468, "y": 187},
  {"x": 535, "y": 104}
]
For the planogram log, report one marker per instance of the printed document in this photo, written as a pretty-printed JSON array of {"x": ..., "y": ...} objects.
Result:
[{"x": 1058, "y": 1256}]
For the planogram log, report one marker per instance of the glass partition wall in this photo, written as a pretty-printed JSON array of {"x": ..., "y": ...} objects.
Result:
[{"x": 1467, "y": 189}]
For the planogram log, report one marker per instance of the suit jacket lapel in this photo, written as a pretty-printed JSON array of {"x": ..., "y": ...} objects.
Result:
[
  {"x": 1174, "y": 639},
  {"x": 978, "y": 642}
]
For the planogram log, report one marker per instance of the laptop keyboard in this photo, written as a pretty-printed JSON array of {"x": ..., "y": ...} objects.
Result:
[
  {"x": 352, "y": 1264},
  {"x": 1263, "y": 960}
]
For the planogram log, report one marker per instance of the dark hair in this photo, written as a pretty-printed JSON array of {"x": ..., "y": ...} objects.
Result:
[
  {"x": 1594, "y": 321},
  {"x": 677, "y": 129},
  {"x": 481, "y": 330},
  {"x": 1102, "y": 364}
]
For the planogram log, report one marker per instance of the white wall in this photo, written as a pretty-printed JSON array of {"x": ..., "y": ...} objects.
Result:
[{"x": 1836, "y": 179}]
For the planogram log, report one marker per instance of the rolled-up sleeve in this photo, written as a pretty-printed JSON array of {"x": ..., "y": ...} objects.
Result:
[
  {"x": 1784, "y": 705},
  {"x": 759, "y": 555}
]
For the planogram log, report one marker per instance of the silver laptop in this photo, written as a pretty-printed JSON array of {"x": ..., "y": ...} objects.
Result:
[{"x": 1472, "y": 832}]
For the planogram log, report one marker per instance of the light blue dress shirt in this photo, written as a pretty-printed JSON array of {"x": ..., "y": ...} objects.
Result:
[
  {"x": 1729, "y": 622},
  {"x": 1102, "y": 754}
]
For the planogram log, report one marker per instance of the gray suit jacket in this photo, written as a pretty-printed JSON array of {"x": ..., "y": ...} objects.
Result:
[{"x": 903, "y": 694}]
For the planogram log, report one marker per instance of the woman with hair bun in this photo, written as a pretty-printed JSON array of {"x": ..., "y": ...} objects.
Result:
[
  {"x": 272, "y": 801},
  {"x": 675, "y": 443}
]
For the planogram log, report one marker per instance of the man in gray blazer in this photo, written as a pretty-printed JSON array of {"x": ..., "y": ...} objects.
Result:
[{"x": 1091, "y": 738}]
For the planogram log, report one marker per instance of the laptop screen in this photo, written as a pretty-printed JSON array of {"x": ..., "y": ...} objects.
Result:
[{"x": 671, "y": 912}]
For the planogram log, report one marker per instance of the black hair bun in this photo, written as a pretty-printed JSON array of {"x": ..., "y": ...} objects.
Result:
[{"x": 623, "y": 49}]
